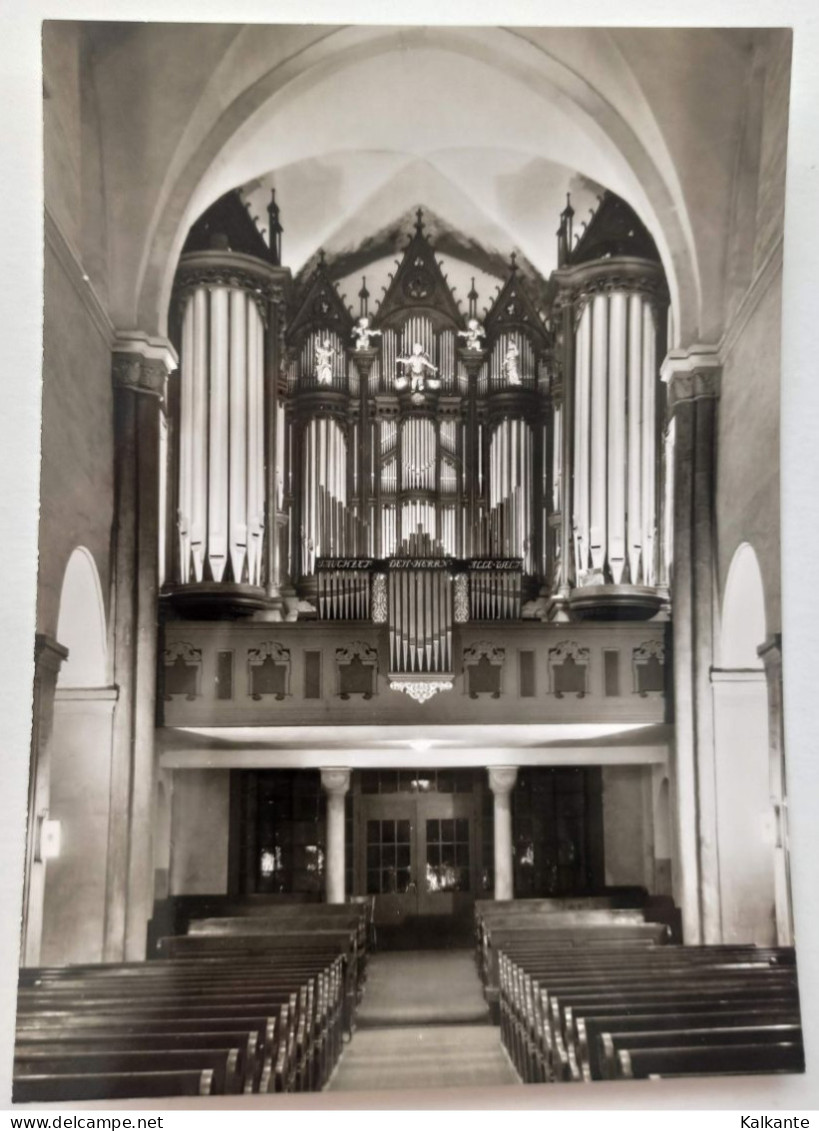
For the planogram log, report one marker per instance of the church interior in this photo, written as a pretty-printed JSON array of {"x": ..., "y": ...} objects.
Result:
[{"x": 409, "y": 595}]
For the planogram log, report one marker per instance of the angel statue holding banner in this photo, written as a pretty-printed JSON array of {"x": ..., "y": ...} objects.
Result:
[
  {"x": 417, "y": 363},
  {"x": 473, "y": 334},
  {"x": 362, "y": 333}
]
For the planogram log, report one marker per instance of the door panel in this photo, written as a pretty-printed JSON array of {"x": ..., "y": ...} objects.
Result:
[
  {"x": 446, "y": 831},
  {"x": 417, "y": 855},
  {"x": 387, "y": 834}
]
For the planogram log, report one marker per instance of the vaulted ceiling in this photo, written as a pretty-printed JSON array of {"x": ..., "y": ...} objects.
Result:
[{"x": 479, "y": 206}]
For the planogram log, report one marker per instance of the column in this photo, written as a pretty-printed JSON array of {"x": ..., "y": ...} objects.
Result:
[
  {"x": 336, "y": 783},
  {"x": 692, "y": 380},
  {"x": 501, "y": 782},
  {"x": 771, "y": 655},
  {"x": 48, "y": 658},
  {"x": 140, "y": 369}
]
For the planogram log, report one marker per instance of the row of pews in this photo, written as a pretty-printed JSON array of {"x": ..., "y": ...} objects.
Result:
[
  {"x": 241, "y": 1003},
  {"x": 593, "y": 993}
]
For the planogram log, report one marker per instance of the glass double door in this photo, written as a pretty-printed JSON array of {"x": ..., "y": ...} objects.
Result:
[{"x": 417, "y": 855}]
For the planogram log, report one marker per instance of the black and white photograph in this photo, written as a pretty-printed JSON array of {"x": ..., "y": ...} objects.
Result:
[{"x": 407, "y": 693}]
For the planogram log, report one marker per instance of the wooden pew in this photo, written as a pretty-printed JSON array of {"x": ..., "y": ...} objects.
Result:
[
  {"x": 223, "y": 1064},
  {"x": 724, "y": 1036},
  {"x": 545, "y": 991},
  {"x": 262, "y": 944},
  {"x": 244, "y": 1044},
  {"x": 321, "y": 981},
  {"x": 271, "y": 1030},
  {"x": 581, "y": 935},
  {"x": 710, "y": 1060},
  {"x": 55, "y": 1088},
  {"x": 591, "y": 1028}
]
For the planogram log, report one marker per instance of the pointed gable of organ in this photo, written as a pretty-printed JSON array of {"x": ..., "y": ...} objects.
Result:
[
  {"x": 419, "y": 287},
  {"x": 614, "y": 230},
  {"x": 318, "y": 333},
  {"x": 514, "y": 311},
  {"x": 228, "y": 225},
  {"x": 319, "y": 307}
]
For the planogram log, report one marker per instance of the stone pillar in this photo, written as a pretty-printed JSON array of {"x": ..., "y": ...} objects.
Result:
[
  {"x": 501, "y": 782},
  {"x": 771, "y": 655},
  {"x": 692, "y": 380},
  {"x": 336, "y": 783},
  {"x": 48, "y": 658},
  {"x": 140, "y": 370}
]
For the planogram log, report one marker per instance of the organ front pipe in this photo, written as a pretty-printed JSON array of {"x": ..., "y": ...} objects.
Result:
[
  {"x": 649, "y": 440},
  {"x": 238, "y": 431},
  {"x": 599, "y": 414},
  {"x": 186, "y": 443},
  {"x": 199, "y": 437},
  {"x": 617, "y": 436},
  {"x": 581, "y": 440},
  {"x": 634, "y": 465},
  {"x": 218, "y": 434},
  {"x": 256, "y": 459}
]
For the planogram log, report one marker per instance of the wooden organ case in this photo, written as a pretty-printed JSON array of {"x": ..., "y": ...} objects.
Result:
[{"x": 424, "y": 466}]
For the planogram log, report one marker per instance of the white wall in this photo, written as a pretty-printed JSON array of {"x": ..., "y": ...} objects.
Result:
[
  {"x": 628, "y": 825},
  {"x": 200, "y": 826}
]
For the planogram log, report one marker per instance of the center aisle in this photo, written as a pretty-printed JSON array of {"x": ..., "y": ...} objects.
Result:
[{"x": 423, "y": 1023}]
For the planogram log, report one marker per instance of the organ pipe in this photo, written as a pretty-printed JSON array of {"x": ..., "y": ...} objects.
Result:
[
  {"x": 616, "y": 524},
  {"x": 511, "y": 471},
  {"x": 615, "y": 443},
  {"x": 581, "y": 442},
  {"x": 221, "y": 487},
  {"x": 324, "y": 492}
]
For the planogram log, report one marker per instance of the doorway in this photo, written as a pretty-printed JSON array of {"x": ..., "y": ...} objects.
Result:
[{"x": 418, "y": 838}]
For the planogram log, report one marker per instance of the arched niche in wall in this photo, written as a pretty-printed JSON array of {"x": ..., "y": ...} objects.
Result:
[
  {"x": 744, "y": 809},
  {"x": 743, "y": 629},
  {"x": 77, "y": 879},
  {"x": 81, "y": 624}
]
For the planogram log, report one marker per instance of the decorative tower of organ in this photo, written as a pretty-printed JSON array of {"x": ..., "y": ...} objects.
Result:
[
  {"x": 609, "y": 319},
  {"x": 419, "y": 467}
]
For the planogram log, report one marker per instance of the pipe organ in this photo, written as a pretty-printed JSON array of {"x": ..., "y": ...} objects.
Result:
[
  {"x": 614, "y": 504},
  {"x": 220, "y": 422},
  {"x": 528, "y": 438}
]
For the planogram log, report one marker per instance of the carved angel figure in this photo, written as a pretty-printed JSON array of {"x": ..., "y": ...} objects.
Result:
[
  {"x": 324, "y": 362},
  {"x": 473, "y": 334},
  {"x": 362, "y": 333},
  {"x": 510, "y": 364},
  {"x": 417, "y": 363}
]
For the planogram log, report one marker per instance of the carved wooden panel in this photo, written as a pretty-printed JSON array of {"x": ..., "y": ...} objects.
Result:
[
  {"x": 649, "y": 668},
  {"x": 483, "y": 664},
  {"x": 269, "y": 671},
  {"x": 568, "y": 670},
  {"x": 182, "y": 671},
  {"x": 357, "y": 666}
]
